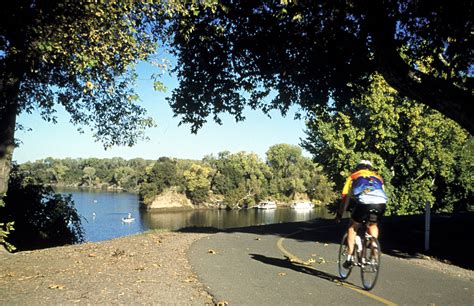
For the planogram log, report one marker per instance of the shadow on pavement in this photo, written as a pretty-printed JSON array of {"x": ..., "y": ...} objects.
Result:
[
  {"x": 285, "y": 263},
  {"x": 400, "y": 236}
]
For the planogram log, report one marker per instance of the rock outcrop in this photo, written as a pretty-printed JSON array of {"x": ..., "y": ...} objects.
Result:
[{"x": 170, "y": 199}]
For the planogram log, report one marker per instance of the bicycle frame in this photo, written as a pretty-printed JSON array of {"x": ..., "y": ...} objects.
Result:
[{"x": 366, "y": 256}]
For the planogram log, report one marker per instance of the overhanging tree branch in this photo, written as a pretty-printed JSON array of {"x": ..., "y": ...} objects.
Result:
[{"x": 439, "y": 94}]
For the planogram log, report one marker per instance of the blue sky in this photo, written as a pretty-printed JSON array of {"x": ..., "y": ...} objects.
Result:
[{"x": 256, "y": 134}]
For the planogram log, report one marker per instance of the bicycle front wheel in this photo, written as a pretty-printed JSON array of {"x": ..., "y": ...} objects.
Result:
[
  {"x": 370, "y": 267},
  {"x": 343, "y": 252}
]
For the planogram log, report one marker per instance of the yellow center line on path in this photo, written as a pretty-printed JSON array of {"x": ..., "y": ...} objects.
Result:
[{"x": 294, "y": 258}]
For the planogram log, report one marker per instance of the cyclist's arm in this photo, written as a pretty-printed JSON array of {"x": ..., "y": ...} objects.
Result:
[{"x": 345, "y": 197}]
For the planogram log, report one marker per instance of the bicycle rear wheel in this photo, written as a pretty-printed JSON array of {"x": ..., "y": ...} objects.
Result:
[
  {"x": 370, "y": 267},
  {"x": 343, "y": 251}
]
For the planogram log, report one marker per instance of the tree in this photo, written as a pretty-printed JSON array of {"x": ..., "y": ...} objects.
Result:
[
  {"x": 305, "y": 52},
  {"x": 318, "y": 187},
  {"x": 79, "y": 55},
  {"x": 197, "y": 183},
  {"x": 422, "y": 155},
  {"x": 242, "y": 178},
  {"x": 125, "y": 177},
  {"x": 76, "y": 55},
  {"x": 294, "y": 174},
  {"x": 89, "y": 175},
  {"x": 284, "y": 160},
  {"x": 162, "y": 175}
]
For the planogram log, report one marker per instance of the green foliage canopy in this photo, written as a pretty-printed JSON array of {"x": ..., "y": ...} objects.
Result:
[
  {"x": 242, "y": 178},
  {"x": 197, "y": 183},
  {"x": 237, "y": 178},
  {"x": 422, "y": 155},
  {"x": 79, "y": 55},
  {"x": 294, "y": 174},
  {"x": 271, "y": 54}
]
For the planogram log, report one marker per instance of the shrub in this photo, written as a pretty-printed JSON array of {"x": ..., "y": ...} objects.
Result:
[{"x": 42, "y": 217}]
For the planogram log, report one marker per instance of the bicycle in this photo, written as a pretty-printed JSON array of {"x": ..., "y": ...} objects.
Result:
[{"x": 366, "y": 254}]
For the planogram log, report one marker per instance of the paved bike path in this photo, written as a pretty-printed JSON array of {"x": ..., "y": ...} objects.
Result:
[{"x": 296, "y": 263}]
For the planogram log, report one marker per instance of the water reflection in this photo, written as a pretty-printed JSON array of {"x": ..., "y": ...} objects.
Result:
[{"x": 222, "y": 219}]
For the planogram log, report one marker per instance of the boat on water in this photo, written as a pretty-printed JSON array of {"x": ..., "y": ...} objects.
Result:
[
  {"x": 128, "y": 219},
  {"x": 302, "y": 205},
  {"x": 267, "y": 205}
]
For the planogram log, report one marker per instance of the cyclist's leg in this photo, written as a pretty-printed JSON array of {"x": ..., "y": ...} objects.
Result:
[
  {"x": 351, "y": 234},
  {"x": 357, "y": 217},
  {"x": 373, "y": 228}
]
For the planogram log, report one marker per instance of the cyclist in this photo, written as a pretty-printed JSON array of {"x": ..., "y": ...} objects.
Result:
[{"x": 364, "y": 189}]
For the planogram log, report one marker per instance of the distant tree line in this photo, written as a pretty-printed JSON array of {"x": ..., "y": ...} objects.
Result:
[
  {"x": 234, "y": 179},
  {"x": 113, "y": 173}
]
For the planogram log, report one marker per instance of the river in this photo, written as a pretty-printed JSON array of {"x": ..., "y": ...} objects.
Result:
[{"x": 102, "y": 214}]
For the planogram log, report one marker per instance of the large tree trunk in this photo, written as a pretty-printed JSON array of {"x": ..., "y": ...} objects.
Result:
[
  {"x": 442, "y": 95},
  {"x": 9, "y": 89}
]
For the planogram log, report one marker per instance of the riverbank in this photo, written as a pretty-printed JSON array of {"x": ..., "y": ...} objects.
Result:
[{"x": 150, "y": 268}]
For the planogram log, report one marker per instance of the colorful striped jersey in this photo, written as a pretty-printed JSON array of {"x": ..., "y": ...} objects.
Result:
[{"x": 366, "y": 186}]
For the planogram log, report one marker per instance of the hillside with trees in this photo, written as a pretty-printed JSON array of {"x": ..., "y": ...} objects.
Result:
[{"x": 234, "y": 179}]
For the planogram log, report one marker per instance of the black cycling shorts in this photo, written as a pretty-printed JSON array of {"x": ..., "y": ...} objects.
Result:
[{"x": 360, "y": 213}]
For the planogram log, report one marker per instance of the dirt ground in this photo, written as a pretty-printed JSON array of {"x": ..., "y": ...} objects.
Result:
[{"x": 150, "y": 268}]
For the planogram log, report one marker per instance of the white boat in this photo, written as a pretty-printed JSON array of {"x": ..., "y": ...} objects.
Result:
[
  {"x": 302, "y": 205},
  {"x": 267, "y": 205},
  {"x": 129, "y": 219}
]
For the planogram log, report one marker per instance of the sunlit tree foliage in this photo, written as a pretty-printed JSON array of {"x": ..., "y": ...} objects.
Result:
[{"x": 422, "y": 155}]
